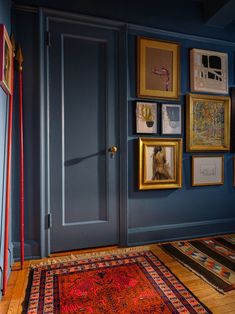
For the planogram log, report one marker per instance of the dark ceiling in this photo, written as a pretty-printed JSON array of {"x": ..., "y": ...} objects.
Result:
[
  {"x": 215, "y": 13},
  {"x": 218, "y": 13}
]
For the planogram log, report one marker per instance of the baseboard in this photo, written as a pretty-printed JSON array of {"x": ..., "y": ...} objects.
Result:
[
  {"x": 31, "y": 250},
  {"x": 173, "y": 232}
]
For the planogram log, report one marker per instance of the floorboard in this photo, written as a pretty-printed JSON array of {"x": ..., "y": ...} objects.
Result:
[{"x": 218, "y": 303}]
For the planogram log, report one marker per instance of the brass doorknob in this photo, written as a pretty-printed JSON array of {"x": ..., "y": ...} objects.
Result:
[{"x": 113, "y": 150}]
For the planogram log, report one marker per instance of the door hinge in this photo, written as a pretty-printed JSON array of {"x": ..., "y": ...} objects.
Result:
[
  {"x": 48, "y": 39},
  {"x": 49, "y": 221}
]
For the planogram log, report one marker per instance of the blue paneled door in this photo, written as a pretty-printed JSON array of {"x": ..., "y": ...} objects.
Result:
[{"x": 83, "y": 127}]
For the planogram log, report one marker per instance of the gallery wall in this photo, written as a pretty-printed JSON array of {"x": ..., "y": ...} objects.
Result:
[
  {"x": 154, "y": 215},
  {"x": 190, "y": 211},
  {"x": 5, "y": 15}
]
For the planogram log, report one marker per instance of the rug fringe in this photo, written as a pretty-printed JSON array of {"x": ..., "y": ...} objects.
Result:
[{"x": 72, "y": 257}]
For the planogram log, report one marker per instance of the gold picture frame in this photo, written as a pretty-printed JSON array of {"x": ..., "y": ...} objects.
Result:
[
  {"x": 160, "y": 163},
  {"x": 207, "y": 170},
  {"x": 207, "y": 123},
  {"x": 5, "y": 60},
  {"x": 158, "y": 69}
]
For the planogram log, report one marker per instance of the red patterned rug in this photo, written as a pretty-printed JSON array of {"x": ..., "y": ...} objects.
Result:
[
  {"x": 129, "y": 283},
  {"x": 213, "y": 259}
]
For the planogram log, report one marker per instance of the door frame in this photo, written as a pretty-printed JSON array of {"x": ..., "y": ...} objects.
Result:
[{"x": 44, "y": 17}]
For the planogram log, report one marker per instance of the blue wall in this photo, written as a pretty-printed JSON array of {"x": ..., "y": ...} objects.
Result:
[
  {"x": 164, "y": 215},
  {"x": 152, "y": 215},
  {"x": 4, "y": 19},
  {"x": 27, "y": 36}
]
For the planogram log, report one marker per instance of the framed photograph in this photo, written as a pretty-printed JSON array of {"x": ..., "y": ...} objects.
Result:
[
  {"x": 160, "y": 163},
  {"x": 208, "y": 71},
  {"x": 207, "y": 123},
  {"x": 207, "y": 170},
  {"x": 158, "y": 69},
  {"x": 5, "y": 60},
  {"x": 171, "y": 119},
  {"x": 146, "y": 117}
]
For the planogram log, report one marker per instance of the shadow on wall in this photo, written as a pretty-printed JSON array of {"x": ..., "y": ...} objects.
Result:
[{"x": 74, "y": 161}]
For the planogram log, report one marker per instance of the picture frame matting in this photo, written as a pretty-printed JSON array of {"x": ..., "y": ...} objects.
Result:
[
  {"x": 171, "y": 119},
  {"x": 207, "y": 170},
  {"x": 158, "y": 69}
]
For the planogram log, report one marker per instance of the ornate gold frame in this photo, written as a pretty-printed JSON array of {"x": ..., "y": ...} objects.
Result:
[
  {"x": 173, "y": 183},
  {"x": 6, "y": 84},
  {"x": 212, "y": 183},
  {"x": 191, "y": 99},
  {"x": 142, "y": 90}
]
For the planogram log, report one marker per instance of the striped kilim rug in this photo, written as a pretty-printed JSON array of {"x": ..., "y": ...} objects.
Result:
[
  {"x": 213, "y": 259},
  {"x": 122, "y": 283}
]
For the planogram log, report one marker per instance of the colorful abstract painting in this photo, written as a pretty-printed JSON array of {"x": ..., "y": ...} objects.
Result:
[{"x": 208, "y": 123}]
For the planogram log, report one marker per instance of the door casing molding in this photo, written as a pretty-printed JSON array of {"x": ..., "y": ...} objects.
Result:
[{"x": 44, "y": 16}]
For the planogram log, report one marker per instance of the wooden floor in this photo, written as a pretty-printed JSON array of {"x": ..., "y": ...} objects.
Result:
[{"x": 218, "y": 303}]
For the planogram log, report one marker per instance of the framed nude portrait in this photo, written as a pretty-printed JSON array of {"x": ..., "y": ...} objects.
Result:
[{"x": 160, "y": 163}]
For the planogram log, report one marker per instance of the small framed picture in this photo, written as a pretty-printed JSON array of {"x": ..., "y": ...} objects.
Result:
[
  {"x": 5, "y": 60},
  {"x": 171, "y": 119},
  {"x": 208, "y": 71},
  {"x": 160, "y": 163},
  {"x": 158, "y": 69},
  {"x": 146, "y": 117},
  {"x": 207, "y": 170},
  {"x": 207, "y": 123}
]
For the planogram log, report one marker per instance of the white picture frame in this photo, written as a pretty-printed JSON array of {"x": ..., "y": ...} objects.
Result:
[
  {"x": 171, "y": 119},
  {"x": 208, "y": 71},
  {"x": 146, "y": 117},
  {"x": 207, "y": 170}
]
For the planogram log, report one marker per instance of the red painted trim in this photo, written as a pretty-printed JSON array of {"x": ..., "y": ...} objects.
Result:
[
  {"x": 8, "y": 187},
  {"x": 21, "y": 171}
]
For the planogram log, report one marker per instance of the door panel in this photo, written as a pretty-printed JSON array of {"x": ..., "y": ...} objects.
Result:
[{"x": 84, "y": 179}]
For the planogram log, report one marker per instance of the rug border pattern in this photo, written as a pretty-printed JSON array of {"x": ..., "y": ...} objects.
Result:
[{"x": 132, "y": 256}]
